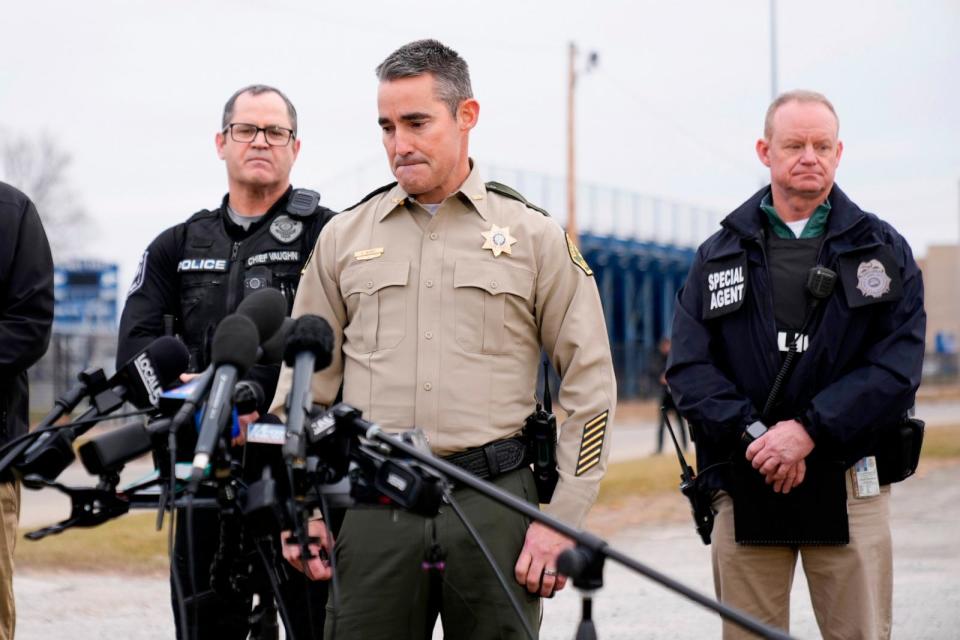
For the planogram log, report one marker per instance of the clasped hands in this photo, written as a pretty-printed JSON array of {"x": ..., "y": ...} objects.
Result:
[{"x": 780, "y": 454}]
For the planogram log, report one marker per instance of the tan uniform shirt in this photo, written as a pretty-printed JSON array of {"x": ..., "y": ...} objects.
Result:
[{"x": 435, "y": 331}]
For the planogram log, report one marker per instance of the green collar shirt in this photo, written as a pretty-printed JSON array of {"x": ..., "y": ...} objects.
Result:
[{"x": 816, "y": 224}]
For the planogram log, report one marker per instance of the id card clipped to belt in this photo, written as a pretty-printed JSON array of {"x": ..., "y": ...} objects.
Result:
[{"x": 865, "y": 478}]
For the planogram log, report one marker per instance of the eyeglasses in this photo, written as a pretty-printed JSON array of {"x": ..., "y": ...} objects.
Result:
[{"x": 274, "y": 135}]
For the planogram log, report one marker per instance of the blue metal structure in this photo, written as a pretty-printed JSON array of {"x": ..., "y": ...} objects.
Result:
[
  {"x": 638, "y": 282},
  {"x": 85, "y": 297}
]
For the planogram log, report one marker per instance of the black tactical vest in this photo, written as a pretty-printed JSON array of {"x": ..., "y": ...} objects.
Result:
[
  {"x": 217, "y": 267},
  {"x": 790, "y": 261}
]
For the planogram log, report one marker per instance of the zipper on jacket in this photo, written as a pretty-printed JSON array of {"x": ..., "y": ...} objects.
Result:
[
  {"x": 234, "y": 276},
  {"x": 772, "y": 357}
]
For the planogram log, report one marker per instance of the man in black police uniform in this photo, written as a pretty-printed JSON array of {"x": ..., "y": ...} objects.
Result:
[
  {"x": 798, "y": 472},
  {"x": 26, "y": 315},
  {"x": 198, "y": 272}
]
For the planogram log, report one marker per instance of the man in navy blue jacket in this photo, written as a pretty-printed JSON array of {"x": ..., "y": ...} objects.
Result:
[
  {"x": 795, "y": 472},
  {"x": 26, "y": 318}
]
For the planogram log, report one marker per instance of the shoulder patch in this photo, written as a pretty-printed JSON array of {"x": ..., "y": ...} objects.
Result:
[
  {"x": 513, "y": 194},
  {"x": 724, "y": 285},
  {"x": 140, "y": 275},
  {"x": 373, "y": 193},
  {"x": 577, "y": 257},
  {"x": 303, "y": 202}
]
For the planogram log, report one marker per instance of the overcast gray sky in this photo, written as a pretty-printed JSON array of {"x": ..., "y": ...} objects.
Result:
[{"x": 133, "y": 89}]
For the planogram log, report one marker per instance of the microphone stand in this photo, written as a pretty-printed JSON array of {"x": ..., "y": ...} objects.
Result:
[
  {"x": 92, "y": 383},
  {"x": 585, "y": 566},
  {"x": 584, "y": 562}
]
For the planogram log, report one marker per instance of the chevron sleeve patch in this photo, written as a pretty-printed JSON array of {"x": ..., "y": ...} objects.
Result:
[{"x": 591, "y": 445}]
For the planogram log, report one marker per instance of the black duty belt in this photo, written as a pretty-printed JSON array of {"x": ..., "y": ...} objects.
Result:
[{"x": 492, "y": 459}]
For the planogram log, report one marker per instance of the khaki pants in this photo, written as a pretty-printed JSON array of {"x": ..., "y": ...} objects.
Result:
[
  {"x": 386, "y": 594},
  {"x": 851, "y": 586},
  {"x": 9, "y": 518}
]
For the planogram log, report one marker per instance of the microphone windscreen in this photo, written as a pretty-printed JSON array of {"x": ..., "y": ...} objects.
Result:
[
  {"x": 272, "y": 349},
  {"x": 159, "y": 365},
  {"x": 170, "y": 358},
  {"x": 312, "y": 334},
  {"x": 235, "y": 342},
  {"x": 267, "y": 309},
  {"x": 109, "y": 450}
]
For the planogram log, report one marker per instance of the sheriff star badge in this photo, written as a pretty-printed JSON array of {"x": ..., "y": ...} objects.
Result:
[{"x": 498, "y": 240}]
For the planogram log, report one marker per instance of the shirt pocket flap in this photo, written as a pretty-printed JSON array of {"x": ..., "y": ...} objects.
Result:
[
  {"x": 493, "y": 278},
  {"x": 373, "y": 276}
]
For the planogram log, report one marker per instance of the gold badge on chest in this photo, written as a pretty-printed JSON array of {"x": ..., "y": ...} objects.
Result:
[{"x": 498, "y": 240}]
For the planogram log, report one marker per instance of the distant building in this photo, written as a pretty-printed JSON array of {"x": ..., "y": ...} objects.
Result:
[{"x": 941, "y": 280}]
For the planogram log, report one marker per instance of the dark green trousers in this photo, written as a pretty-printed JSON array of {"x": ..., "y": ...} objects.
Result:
[{"x": 386, "y": 593}]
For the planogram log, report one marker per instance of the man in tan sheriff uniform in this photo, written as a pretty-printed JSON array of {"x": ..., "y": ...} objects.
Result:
[{"x": 441, "y": 291}]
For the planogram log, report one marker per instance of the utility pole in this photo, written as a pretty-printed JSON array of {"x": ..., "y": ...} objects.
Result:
[
  {"x": 773, "y": 50},
  {"x": 572, "y": 73},
  {"x": 571, "y": 156}
]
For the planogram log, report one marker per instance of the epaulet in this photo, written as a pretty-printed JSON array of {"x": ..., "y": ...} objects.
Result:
[
  {"x": 513, "y": 194},
  {"x": 375, "y": 192}
]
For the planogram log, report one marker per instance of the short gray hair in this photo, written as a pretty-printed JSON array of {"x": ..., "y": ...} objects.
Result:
[
  {"x": 255, "y": 90},
  {"x": 430, "y": 56},
  {"x": 797, "y": 95}
]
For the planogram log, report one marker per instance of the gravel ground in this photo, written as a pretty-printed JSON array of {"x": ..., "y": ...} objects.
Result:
[{"x": 925, "y": 521}]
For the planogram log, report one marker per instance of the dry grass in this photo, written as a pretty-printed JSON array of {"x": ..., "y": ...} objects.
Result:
[
  {"x": 129, "y": 544},
  {"x": 941, "y": 442}
]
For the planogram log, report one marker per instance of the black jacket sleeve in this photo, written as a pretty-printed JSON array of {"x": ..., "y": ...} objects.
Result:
[
  {"x": 154, "y": 292},
  {"x": 701, "y": 391},
  {"x": 883, "y": 384},
  {"x": 26, "y": 285}
]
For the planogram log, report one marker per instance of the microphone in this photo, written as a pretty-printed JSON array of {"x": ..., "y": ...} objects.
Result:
[
  {"x": 309, "y": 348},
  {"x": 110, "y": 451},
  {"x": 267, "y": 309},
  {"x": 144, "y": 376},
  {"x": 247, "y": 396},
  {"x": 90, "y": 381},
  {"x": 234, "y": 350},
  {"x": 271, "y": 351},
  {"x": 139, "y": 381}
]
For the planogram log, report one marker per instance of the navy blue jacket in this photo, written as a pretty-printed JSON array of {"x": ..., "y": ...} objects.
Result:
[{"x": 861, "y": 369}]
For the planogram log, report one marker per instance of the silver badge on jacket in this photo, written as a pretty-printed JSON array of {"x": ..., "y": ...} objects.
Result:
[
  {"x": 286, "y": 229},
  {"x": 872, "y": 279}
]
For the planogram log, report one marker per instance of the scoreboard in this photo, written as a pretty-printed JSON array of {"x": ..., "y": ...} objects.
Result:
[{"x": 85, "y": 297}]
